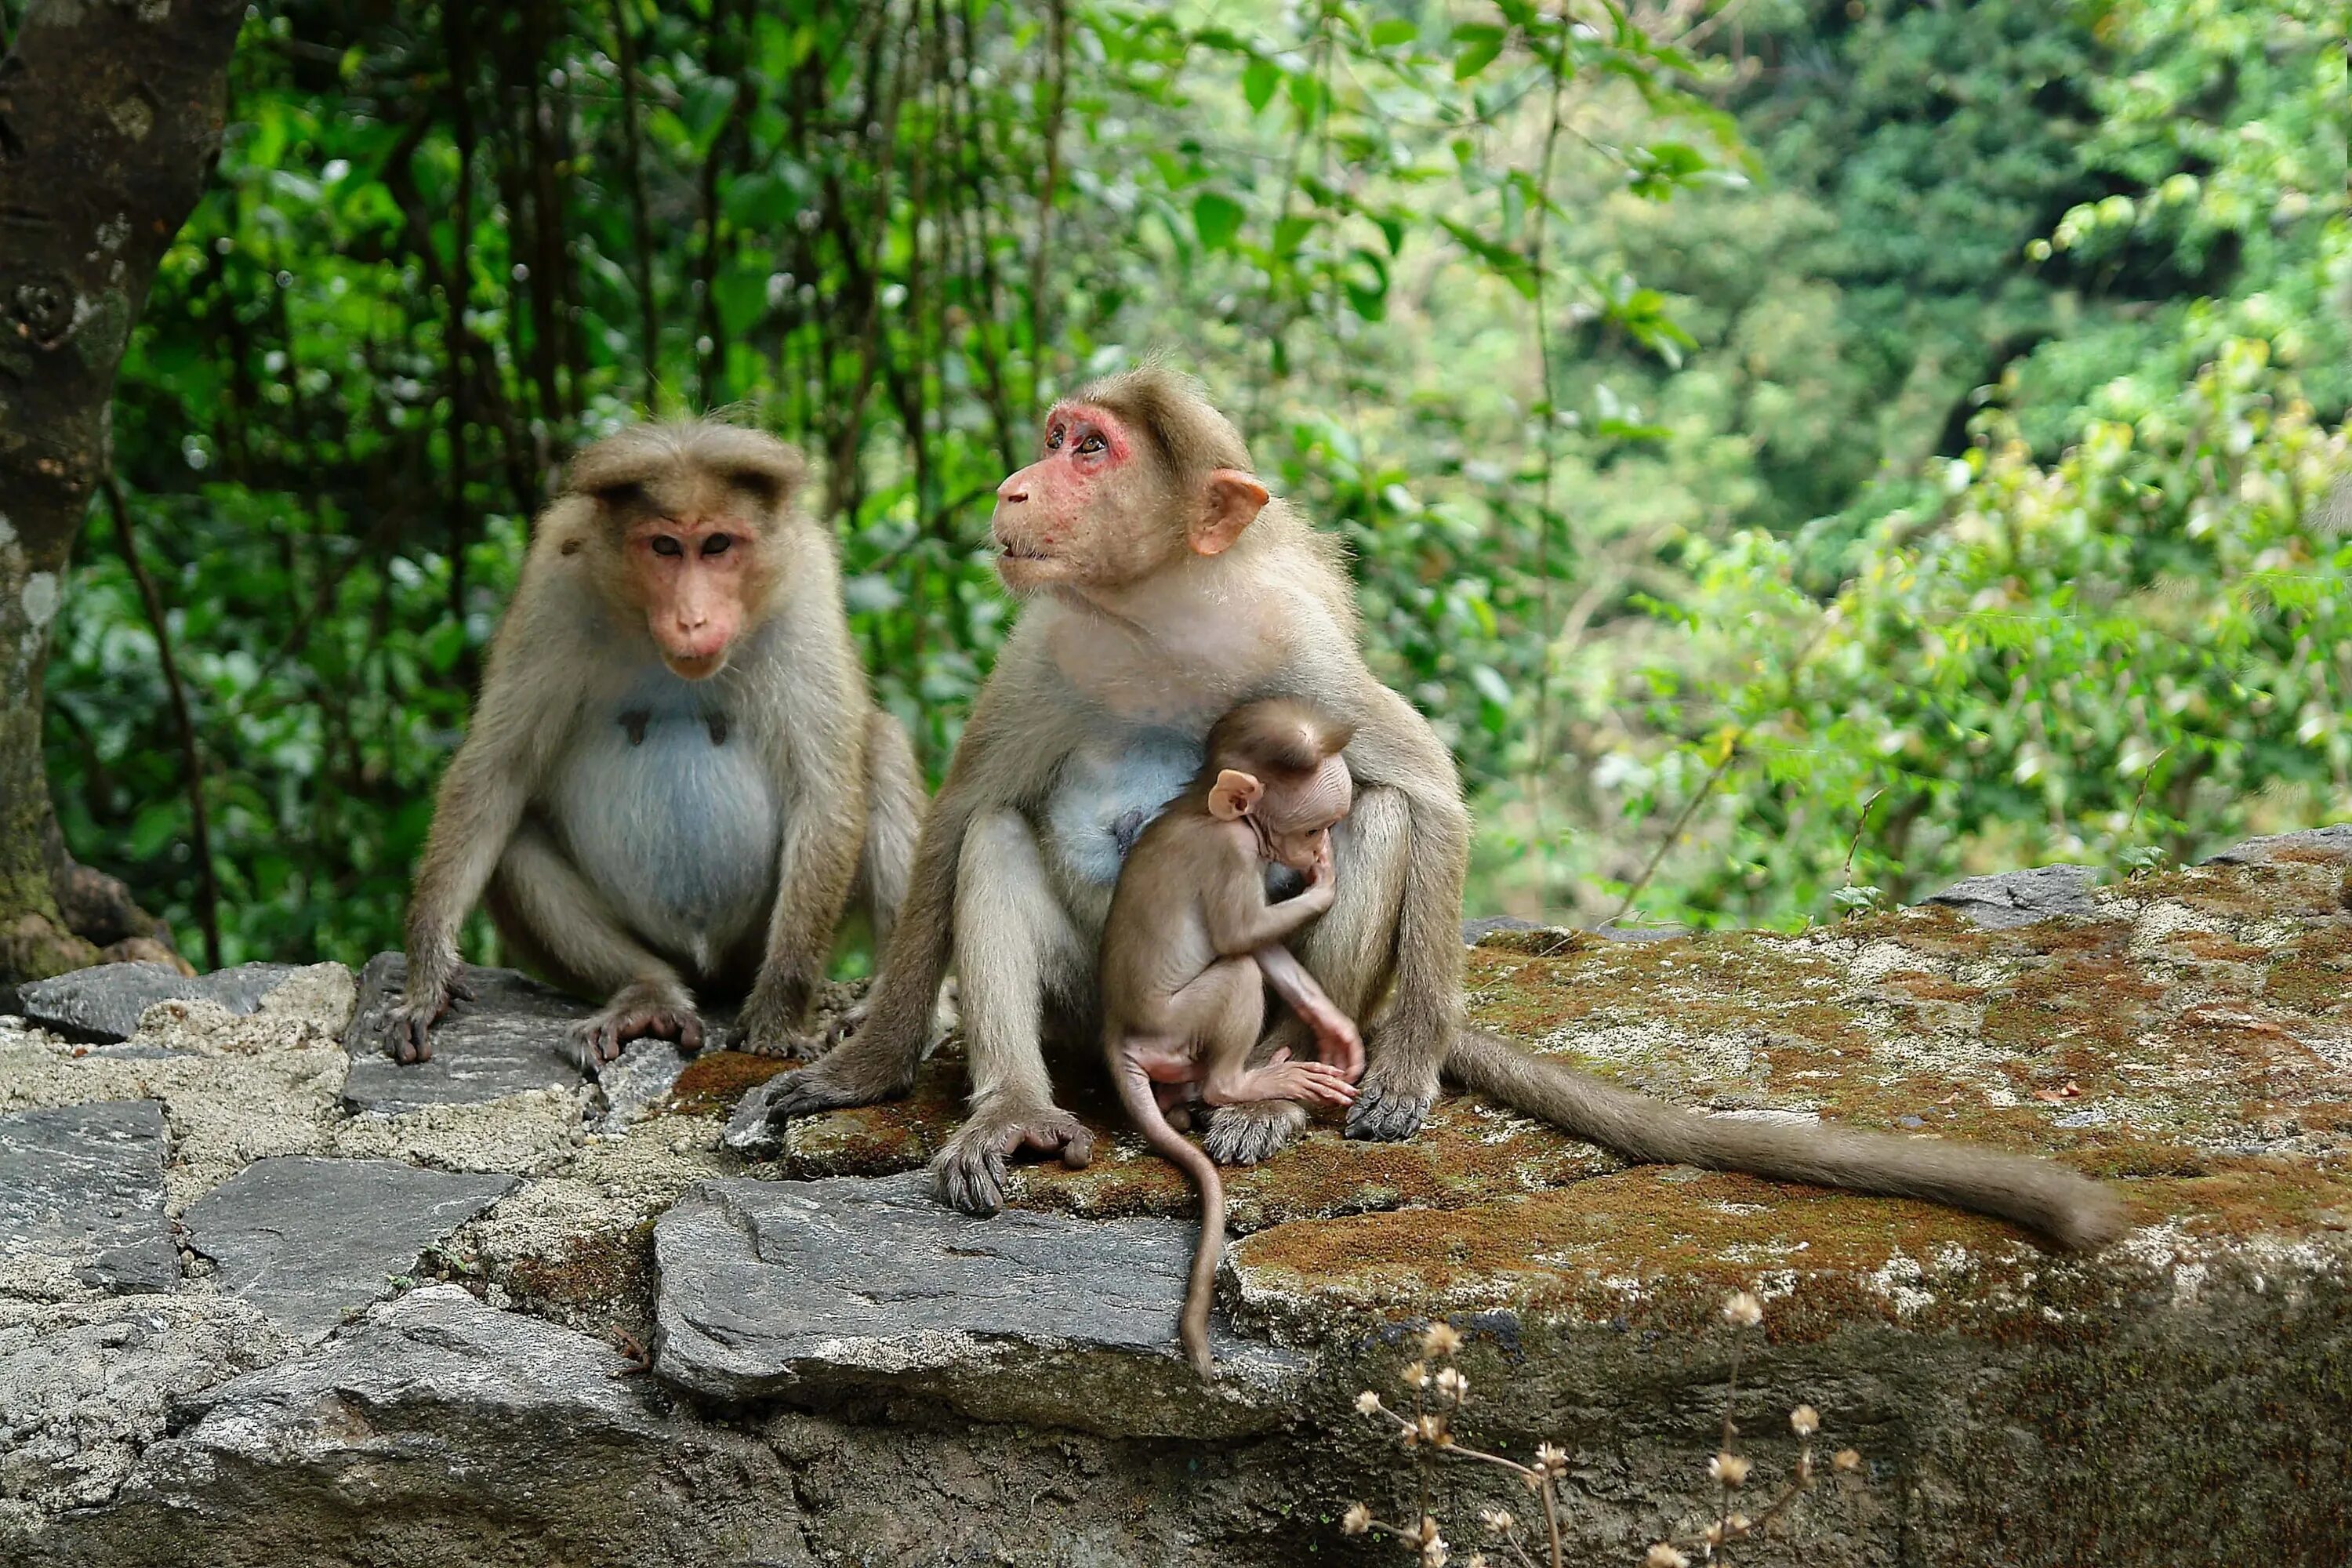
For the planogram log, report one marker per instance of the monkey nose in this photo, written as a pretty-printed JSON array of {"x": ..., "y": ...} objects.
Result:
[{"x": 1014, "y": 490}]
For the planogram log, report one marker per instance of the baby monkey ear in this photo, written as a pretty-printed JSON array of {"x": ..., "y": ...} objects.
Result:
[
  {"x": 1231, "y": 501},
  {"x": 1233, "y": 795}
]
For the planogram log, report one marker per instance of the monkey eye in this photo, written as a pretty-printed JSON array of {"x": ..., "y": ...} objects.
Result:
[
  {"x": 667, "y": 544},
  {"x": 1093, "y": 443},
  {"x": 718, "y": 544},
  {"x": 1054, "y": 440}
]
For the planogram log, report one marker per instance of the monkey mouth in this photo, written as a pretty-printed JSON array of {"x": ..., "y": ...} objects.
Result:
[{"x": 695, "y": 669}]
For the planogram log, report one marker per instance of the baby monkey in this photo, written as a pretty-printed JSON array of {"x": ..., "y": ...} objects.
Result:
[{"x": 1192, "y": 944}]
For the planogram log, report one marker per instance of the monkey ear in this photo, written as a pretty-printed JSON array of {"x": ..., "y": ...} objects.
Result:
[
  {"x": 1232, "y": 503},
  {"x": 1230, "y": 797}
]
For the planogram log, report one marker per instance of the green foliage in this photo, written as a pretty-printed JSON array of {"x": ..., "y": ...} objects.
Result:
[{"x": 1927, "y": 406}]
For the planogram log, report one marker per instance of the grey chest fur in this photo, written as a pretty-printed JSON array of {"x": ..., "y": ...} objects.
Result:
[{"x": 670, "y": 810}]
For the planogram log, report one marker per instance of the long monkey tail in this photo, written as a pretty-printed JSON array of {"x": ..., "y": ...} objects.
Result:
[
  {"x": 2073, "y": 1210},
  {"x": 1143, "y": 1108}
]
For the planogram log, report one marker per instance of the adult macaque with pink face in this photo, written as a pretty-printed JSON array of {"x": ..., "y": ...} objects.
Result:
[
  {"x": 1162, "y": 586},
  {"x": 675, "y": 779}
]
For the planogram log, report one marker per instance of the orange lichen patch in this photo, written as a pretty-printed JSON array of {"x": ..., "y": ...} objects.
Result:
[
  {"x": 2214, "y": 949},
  {"x": 2314, "y": 972},
  {"x": 879, "y": 1139},
  {"x": 1646, "y": 1240},
  {"x": 2293, "y": 882},
  {"x": 713, "y": 1081},
  {"x": 1921, "y": 986},
  {"x": 1468, "y": 1152},
  {"x": 1605, "y": 1243},
  {"x": 607, "y": 1273}
]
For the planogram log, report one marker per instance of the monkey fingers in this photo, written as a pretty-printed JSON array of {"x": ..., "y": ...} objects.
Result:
[
  {"x": 1315, "y": 1083},
  {"x": 428, "y": 1002},
  {"x": 1387, "y": 1112},
  {"x": 971, "y": 1170},
  {"x": 1246, "y": 1134}
]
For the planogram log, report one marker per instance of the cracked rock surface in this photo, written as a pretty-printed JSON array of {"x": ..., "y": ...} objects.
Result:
[{"x": 408, "y": 1313}]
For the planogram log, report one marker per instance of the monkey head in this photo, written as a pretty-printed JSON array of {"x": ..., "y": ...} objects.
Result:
[
  {"x": 1293, "y": 814},
  {"x": 1275, "y": 763},
  {"x": 1136, "y": 472},
  {"x": 686, "y": 529}
]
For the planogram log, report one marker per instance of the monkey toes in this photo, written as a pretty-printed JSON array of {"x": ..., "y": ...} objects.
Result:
[
  {"x": 634, "y": 1015},
  {"x": 1248, "y": 1133},
  {"x": 971, "y": 1170},
  {"x": 1384, "y": 1113}
]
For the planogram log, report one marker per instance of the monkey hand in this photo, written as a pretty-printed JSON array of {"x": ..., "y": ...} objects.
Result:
[
  {"x": 1338, "y": 1044},
  {"x": 1310, "y": 1083},
  {"x": 1391, "y": 1104},
  {"x": 971, "y": 1170},
  {"x": 432, "y": 990}
]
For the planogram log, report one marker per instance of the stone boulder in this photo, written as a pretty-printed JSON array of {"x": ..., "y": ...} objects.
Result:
[{"x": 646, "y": 1350}]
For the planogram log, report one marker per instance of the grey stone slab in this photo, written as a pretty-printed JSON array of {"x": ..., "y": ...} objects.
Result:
[
  {"x": 777, "y": 1288},
  {"x": 2335, "y": 840},
  {"x": 2021, "y": 897},
  {"x": 630, "y": 1085},
  {"x": 104, "y": 1003},
  {"x": 83, "y": 1184},
  {"x": 1478, "y": 931},
  {"x": 308, "y": 1240},
  {"x": 510, "y": 1037}
]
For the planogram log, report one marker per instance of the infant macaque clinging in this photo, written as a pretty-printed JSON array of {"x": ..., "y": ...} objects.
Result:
[{"x": 1190, "y": 944}]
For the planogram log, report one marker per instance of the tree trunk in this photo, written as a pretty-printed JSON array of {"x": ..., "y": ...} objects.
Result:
[{"x": 109, "y": 122}]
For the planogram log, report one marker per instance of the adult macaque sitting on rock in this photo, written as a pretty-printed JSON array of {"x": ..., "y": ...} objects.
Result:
[
  {"x": 675, "y": 778},
  {"x": 1163, "y": 588}
]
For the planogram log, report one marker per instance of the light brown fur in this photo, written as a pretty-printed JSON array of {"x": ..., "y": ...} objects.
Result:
[
  {"x": 809, "y": 768},
  {"x": 1188, "y": 950}
]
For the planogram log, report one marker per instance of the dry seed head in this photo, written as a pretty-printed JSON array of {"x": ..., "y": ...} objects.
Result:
[
  {"x": 1368, "y": 1402},
  {"x": 1441, "y": 1340},
  {"x": 1743, "y": 1310},
  {"x": 1729, "y": 1468},
  {"x": 1665, "y": 1556},
  {"x": 1428, "y": 1531},
  {"x": 1805, "y": 1420},
  {"x": 1498, "y": 1521},
  {"x": 1435, "y": 1554},
  {"x": 1846, "y": 1459},
  {"x": 1414, "y": 1375},
  {"x": 1356, "y": 1520},
  {"x": 1552, "y": 1459},
  {"x": 1453, "y": 1384}
]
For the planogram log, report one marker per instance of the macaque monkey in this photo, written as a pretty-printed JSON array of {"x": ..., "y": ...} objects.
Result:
[
  {"x": 675, "y": 778},
  {"x": 1184, "y": 949},
  {"x": 1163, "y": 586}
]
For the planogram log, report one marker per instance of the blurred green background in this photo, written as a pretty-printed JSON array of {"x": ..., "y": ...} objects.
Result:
[{"x": 1797, "y": 453}]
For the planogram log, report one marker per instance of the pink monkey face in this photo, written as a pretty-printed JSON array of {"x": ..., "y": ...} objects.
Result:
[{"x": 1082, "y": 514}]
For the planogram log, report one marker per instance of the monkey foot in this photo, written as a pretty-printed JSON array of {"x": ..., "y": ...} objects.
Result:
[
  {"x": 1385, "y": 1113},
  {"x": 634, "y": 1013},
  {"x": 971, "y": 1170},
  {"x": 1258, "y": 1130}
]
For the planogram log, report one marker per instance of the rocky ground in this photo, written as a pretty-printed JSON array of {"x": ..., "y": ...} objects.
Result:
[{"x": 268, "y": 1300}]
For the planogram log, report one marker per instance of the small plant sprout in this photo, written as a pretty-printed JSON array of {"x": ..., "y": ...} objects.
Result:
[{"x": 1429, "y": 1425}]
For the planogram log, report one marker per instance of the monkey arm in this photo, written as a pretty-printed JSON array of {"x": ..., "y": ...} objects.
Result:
[
  {"x": 1338, "y": 1044},
  {"x": 816, "y": 862},
  {"x": 1395, "y": 746},
  {"x": 1240, "y": 920}
]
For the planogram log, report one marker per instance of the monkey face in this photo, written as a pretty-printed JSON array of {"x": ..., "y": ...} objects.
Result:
[
  {"x": 1292, "y": 816},
  {"x": 692, "y": 575},
  {"x": 1078, "y": 515}
]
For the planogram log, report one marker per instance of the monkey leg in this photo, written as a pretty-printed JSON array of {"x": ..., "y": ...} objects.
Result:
[
  {"x": 559, "y": 925},
  {"x": 1351, "y": 951},
  {"x": 894, "y": 816},
  {"x": 1015, "y": 952}
]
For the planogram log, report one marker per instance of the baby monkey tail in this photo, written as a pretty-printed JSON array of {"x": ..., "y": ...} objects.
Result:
[{"x": 1143, "y": 1108}]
